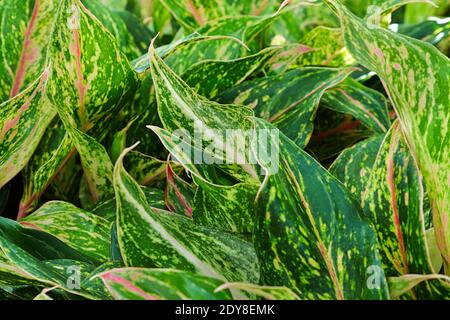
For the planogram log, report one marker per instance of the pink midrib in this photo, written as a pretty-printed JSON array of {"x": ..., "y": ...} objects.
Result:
[
  {"x": 130, "y": 286},
  {"x": 20, "y": 73}
]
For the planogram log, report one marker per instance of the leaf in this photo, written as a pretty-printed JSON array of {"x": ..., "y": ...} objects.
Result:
[
  {"x": 23, "y": 120},
  {"x": 150, "y": 239},
  {"x": 93, "y": 92},
  {"x": 114, "y": 23},
  {"x": 81, "y": 230},
  {"x": 178, "y": 194},
  {"x": 24, "y": 40},
  {"x": 416, "y": 76},
  {"x": 229, "y": 208},
  {"x": 367, "y": 105},
  {"x": 394, "y": 202},
  {"x": 97, "y": 165},
  {"x": 226, "y": 73},
  {"x": 265, "y": 292},
  {"x": 193, "y": 13},
  {"x": 107, "y": 209},
  {"x": 54, "y": 150},
  {"x": 309, "y": 233},
  {"x": 400, "y": 285},
  {"x": 243, "y": 30},
  {"x": 180, "y": 107},
  {"x": 354, "y": 165},
  {"x": 161, "y": 284},
  {"x": 289, "y": 100},
  {"x": 328, "y": 48}
]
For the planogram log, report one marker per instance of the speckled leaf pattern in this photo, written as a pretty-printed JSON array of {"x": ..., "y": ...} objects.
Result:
[
  {"x": 416, "y": 76},
  {"x": 180, "y": 107},
  {"x": 97, "y": 165},
  {"x": 82, "y": 90},
  {"x": 229, "y": 208},
  {"x": 284, "y": 102},
  {"x": 236, "y": 38},
  {"x": 354, "y": 165},
  {"x": 176, "y": 241},
  {"x": 26, "y": 27},
  {"x": 297, "y": 238},
  {"x": 265, "y": 292},
  {"x": 367, "y": 105},
  {"x": 161, "y": 284},
  {"x": 179, "y": 194},
  {"x": 209, "y": 78},
  {"x": 328, "y": 48},
  {"x": 79, "y": 229},
  {"x": 114, "y": 23},
  {"x": 403, "y": 284},
  {"x": 23, "y": 120},
  {"x": 393, "y": 201},
  {"x": 193, "y": 13},
  {"x": 45, "y": 163}
]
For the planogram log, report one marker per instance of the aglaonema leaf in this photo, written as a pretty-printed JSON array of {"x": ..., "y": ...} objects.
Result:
[
  {"x": 394, "y": 202},
  {"x": 226, "y": 73},
  {"x": 309, "y": 232},
  {"x": 25, "y": 34},
  {"x": 23, "y": 120},
  {"x": 80, "y": 229},
  {"x": 416, "y": 76},
  {"x": 288, "y": 100},
  {"x": 175, "y": 241},
  {"x": 161, "y": 284}
]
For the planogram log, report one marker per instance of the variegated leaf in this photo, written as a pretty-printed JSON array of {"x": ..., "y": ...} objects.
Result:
[
  {"x": 403, "y": 284},
  {"x": 328, "y": 48},
  {"x": 265, "y": 292},
  {"x": 211, "y": 77},
  {"x": 289, "y": 100},
  {"x": 179, "y": 194},
  {"x": 114, "y": 23},
  {"x": 194, "y": 13},
  {"x": 23, "y": 120},
  {"x": 161, "y": 284},
  {"x": 175, "y": 241},
  {"x": 81, "y": 230},
  {"x": 26, "y": 27},
  {"x": 416, "y": 76},
  {"x": 394, "y": 202},
  {"x": 354, "y": 165},
  {"x": 180, "y": 107},
  {"x": 365, "y": 104},
  {"x": 310, "y": 234}
]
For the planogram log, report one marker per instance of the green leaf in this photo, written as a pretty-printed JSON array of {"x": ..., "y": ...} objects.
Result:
[
  {"x": 211, "y": 77},
  {"x": 229, "y": 208},
  {"x": 86, "y": 93},
  {"x": 179, "y": 194},
  {"x": 151, "y": 239},
  {"x": 403, "y": 284},
  {"x": 26, "y": 27},
  {"x": 180, "y": 107},
  {"x": 289, "y": 100},
  {"x": 328, "y": 48},
  {"x": 416, "y": 76},
  {"x": 23, "y": 120},
  {"x": 365, "y": 104},
  {"x": 161, "y": 284},
  {"x": 194, "y": 13},
  {"x": 114, "y": 23},
  {"x": 265, "y": 292},
  {"x": 309, "y": 233},
  {"x": 354, "y": 165},
  {"x": 81, "y": 230}
]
